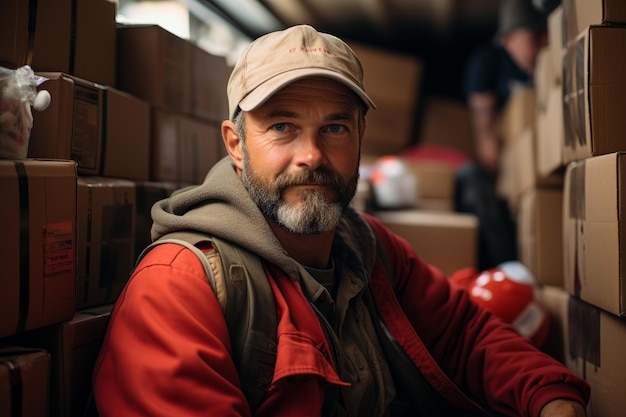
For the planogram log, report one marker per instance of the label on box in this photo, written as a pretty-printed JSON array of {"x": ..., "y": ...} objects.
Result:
[{"x": 58, "y": 249}]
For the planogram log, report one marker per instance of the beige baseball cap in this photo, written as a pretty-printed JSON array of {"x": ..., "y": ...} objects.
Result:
[{"x": 276, "y": 59}]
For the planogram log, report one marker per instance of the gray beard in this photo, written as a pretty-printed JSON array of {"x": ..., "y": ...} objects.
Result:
[{"x": 313, "y": 215}]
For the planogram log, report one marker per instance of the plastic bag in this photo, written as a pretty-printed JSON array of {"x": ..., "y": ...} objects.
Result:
[{"x": 18, "y": 92}]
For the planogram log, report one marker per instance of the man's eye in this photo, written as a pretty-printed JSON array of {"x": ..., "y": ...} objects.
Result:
[
  {"x": 336, "y": 128},
  {"x": 281, "y": 127}
]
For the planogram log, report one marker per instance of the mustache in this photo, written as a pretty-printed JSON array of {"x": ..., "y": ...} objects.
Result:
[{"x": 318, "y": 177}]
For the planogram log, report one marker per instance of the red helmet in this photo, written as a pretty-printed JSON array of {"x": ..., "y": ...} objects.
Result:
[{"x": 509, "y": 291}]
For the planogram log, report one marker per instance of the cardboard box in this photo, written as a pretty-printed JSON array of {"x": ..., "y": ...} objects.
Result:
[
  {"x": 393, "y": 81},
  {"x": 209, "y": 77},
  {"x": 24, "y": 377},
  {"x": 594, "y": 93},
  {"x": 446, "y": 122},
  {"x": 200, "y": 147},
  {"x": 555, "y": 300},
  {"x": 517, "y": 168},
  {"x": 579, "y": 14},
  {"x": 39, "y": 243},
  {"x": 71, "y": 126},
  {"x": 594, "y": 232},
  {"x": 556, "y": 41},
  {"x": 106, "y": 131},
  {"x": 126, "y": 136},
  {"x": 550, "y": 130},
  {"x": 13, "y": 32},
  {"x": 76, "y": 38},
  {"x": 544, "y": 78},
  {"x": 73, "y": 346},
  {"x": 446, "y": 240},
  {"x": 183, "y": 148},
  {"x": 148, "y": 193},
  {"x": 155, "y": 65},
  {"x": 540, "y": 234},
  {"x": 435, "y": 179},
  {"x": 518, "y": 114},
  {"x": 106, "y": 239},
  {"x": 595, "y": 351}
]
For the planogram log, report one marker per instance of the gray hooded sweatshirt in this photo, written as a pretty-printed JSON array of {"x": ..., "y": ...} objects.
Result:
[{"x": 221, "y": 207}]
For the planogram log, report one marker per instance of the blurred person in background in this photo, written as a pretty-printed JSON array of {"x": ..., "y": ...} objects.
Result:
[{"x": 493, "y": 71}]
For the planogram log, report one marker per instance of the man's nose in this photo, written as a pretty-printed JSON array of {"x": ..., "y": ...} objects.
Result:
[{"x": 309, "y": 152}]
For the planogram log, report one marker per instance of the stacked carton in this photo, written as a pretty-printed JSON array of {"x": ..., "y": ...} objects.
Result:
[
  {"x": 533, "y": 195},
  {"x": 37, "y": 289},
  {"x": 393, "y": 82},
  {"x": 133, "y": 109},
  {"x": 186, "y": 87},
  {"x": 587, "y": 40}
]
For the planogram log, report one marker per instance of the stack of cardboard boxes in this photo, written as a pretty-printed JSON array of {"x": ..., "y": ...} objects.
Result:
[
  {"x": 565, "y": 160},
  {"x": 135, "y": 113}
]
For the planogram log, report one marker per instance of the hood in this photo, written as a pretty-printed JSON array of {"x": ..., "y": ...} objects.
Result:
[{"x": 222, "y": 201}]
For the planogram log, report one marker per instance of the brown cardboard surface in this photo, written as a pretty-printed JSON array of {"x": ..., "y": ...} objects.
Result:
[
  {"x": 76, "y": 40},
  {"x": 164, "y": 144},
  {"x": 517, "y": 168},
  {"x": 52, "y": 129},
  {"x": 106, "y": 238},
  {"x": 389, "y": 128},
  {"x": 435, "y": 179},
  {"x": 209, "y": 77},
  {"x": 555, "y": 299},
  {"x": 446, "y": 122},
  {"x": 127, "y": 136},
  {"x": 579, "y": 14},
  {"x": 594, "y": 93},
  {"x": 556, "y": 41},
  {"x": 73, "y": 346},
  {"x": 13, "y": 39},
  {"x": 71, "y": 127},
  {"x": 540, "y": 234},
  {"x": 95, "y": 48},
  {"x": 518, "y": 113},
  {"x": 445, "y": 240},
  {"x": 24, "y": 373},
  {"x": 393, "y": 81},
  {"x": 200, "y": 147},
  {"x": 155, "y": 65},
  {"x": 550, "y": 131},
  {"x": 183, "y": 148},
  {"x": 544, "y": 78},
  {"x": 595, "y": 351},
  {"x": 593, "y": 233},
  {"x": 148, "y": 193},
  {"x": 106, "y": 131},
  {"x": 39, "y": 233}
]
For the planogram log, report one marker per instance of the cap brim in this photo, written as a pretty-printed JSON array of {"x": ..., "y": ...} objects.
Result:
[{"x": 267, "y": 89}]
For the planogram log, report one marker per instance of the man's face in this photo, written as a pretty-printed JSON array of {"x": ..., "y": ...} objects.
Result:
[
  {"x": 301, "y": 155},
  {"x": 524, "y": 45}
]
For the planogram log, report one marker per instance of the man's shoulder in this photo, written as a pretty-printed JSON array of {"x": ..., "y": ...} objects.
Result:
[{"x": 170, "y": 254}]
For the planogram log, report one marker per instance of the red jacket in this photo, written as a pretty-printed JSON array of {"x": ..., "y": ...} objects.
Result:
[{"x": 167, "y": 351}]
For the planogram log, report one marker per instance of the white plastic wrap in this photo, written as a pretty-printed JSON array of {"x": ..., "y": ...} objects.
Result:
[{"x": 18, "y": 92}]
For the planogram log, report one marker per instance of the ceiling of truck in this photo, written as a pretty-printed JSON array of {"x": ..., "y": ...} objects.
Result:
[
  {"x": 440, "y": 32},
  {"x": 415, "y": 26}
]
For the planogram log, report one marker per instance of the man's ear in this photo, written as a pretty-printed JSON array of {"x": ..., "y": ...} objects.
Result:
[{"x": 232, "y": 141}]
